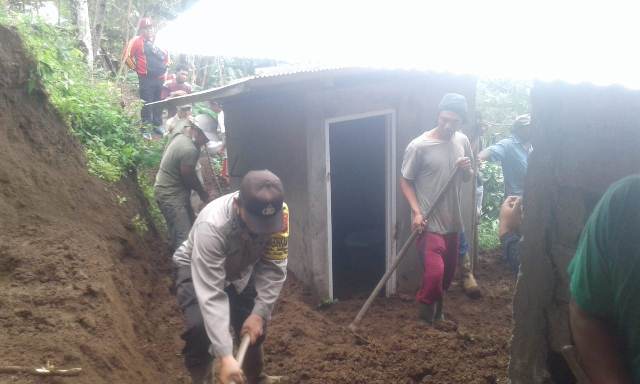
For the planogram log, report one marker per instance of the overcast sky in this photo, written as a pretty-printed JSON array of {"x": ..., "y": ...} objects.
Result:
[{"x": 570, "y": 40}]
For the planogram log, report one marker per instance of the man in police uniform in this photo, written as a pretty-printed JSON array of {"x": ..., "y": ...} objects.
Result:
[{"x": 230, "y": 271}]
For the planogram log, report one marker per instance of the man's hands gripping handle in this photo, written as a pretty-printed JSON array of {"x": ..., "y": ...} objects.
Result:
[{"x": 230, "y": 369}]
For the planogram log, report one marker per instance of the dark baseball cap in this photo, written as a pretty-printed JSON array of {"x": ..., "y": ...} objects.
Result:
[{"x": 262, "y": 197}]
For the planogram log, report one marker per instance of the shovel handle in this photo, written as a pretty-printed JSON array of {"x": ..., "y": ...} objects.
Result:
[
  {"x": 403, "y": 251},
  {"x": 242, "y": 350}
]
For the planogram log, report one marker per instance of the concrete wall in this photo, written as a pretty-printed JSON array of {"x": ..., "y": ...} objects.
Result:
[
  {"x": 414, "y": 98},
  {"x": 267, "y": 132},
  {"x": 585, "y": 139},
  {"x": 283, "y": 129}
]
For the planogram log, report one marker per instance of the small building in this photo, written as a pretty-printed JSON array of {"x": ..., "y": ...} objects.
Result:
[{"x": 336, "y": 138}]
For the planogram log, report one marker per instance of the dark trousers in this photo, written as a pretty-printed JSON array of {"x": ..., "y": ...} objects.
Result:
[
  {"x": 196, "y": 349},
  {"x": 150, "y": 89},
  {"x": 179, "y": 216}
]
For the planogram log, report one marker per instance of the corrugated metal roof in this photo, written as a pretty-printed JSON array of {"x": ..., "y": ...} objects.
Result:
[
  {"x": 277, "y": 77},
  {"x": 289, "y": 70}
]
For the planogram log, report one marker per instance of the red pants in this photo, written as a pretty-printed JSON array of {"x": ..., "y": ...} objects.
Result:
[{"x": 440, "y": 256}]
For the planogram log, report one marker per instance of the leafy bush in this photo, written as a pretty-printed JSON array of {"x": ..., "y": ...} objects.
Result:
[
  {"x": 146, "y": 184},
  {"x": 89, "y": 105},
  {"x": 493, "y": 182},
  {"x": 499, "y": 101},
  {"x": 488, "y": 234}
]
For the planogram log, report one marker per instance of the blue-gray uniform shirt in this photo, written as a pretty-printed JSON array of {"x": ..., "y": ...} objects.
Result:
[{"x": 513, "y": 155}]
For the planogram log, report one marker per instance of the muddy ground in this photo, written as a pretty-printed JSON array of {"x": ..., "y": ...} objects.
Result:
[{"x": 314, "y": 346}]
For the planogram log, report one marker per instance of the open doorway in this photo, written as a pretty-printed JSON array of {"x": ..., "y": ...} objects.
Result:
[{"x": 359, "y": 202}]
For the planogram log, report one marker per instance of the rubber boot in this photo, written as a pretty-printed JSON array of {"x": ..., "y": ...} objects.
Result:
[
  {"x": 201, "y": 374},
  {"x": 469, "y": 284},
  {"x": 439, "y": 322},
  {"x": 253, "y": 366},
  {"x": 438, "y": 314},
  {"x": 426, "y": 312}
]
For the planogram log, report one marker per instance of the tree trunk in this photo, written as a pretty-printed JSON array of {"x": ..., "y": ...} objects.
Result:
[
  {"x": 123, "y": 67},
  {"x": 98, "y": 24},
  {"x": 81, "y": 16}
]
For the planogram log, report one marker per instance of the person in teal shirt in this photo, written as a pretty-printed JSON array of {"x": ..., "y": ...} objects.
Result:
[{"x": 605, "y": 287}]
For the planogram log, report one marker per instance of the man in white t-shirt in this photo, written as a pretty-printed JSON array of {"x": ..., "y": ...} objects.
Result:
[{"x": 429, "y": 161}]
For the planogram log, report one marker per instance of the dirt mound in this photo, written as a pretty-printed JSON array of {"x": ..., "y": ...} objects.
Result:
[
  {"x": 77, "y": 283},
  {"x": 311, "y": 346}
]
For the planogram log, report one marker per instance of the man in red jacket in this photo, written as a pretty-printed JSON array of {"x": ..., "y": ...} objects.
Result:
[{"x": 150, "y": 63}]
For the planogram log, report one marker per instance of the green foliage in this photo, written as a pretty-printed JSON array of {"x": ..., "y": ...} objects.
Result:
[
  {"x": 146, "y": 184},
  {"x": 121, "y": 200},
  {"x": 491, "y": 175},
  {"x": 139, "y": 225},
  {"x": 499, "y": 102},
  {"x": 4, "y": 16},
  {"x": 90, "y": 106},
  {"x": 493, "y": 183},
  {"x": 488, "y": 235}
]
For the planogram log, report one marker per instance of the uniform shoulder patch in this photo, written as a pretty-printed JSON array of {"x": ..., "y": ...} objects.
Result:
[{"x": 278, "y": 248}]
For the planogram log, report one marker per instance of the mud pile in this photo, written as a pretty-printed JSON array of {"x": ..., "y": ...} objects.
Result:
[{"x": 311, "y": 346}]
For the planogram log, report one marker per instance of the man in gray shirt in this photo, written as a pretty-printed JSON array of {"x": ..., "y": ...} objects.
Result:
[
  {"x": 429, "y": 161},
  {"x": 230, "y": 272}
]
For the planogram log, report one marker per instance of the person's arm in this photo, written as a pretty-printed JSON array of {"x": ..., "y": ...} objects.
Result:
[
  {"x": 208, "y": 275},
  {"x": 409, "y": 171},
  {"x": 597, "y": 348},
  {"x": 495, "y": 152},
  {"x": 484, "y": 155},
  {"x": 190, "y": 179},
  {"x": 409, "y": 192}
]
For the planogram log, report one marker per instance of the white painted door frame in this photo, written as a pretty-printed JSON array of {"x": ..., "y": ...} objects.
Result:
[{"x": 390, "y": 193}]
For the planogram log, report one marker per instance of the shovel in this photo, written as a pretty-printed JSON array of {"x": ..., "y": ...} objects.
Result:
[{"x": 403, "y": 251}]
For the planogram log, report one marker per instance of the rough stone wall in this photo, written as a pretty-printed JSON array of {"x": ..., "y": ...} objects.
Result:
[{"x": 586, "y": 138}]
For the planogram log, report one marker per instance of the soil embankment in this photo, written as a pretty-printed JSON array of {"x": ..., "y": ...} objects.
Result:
[{"x": 78, "y": 285}]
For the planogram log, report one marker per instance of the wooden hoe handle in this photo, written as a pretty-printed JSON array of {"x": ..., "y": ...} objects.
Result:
[{"x": 242, "y": 349}]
